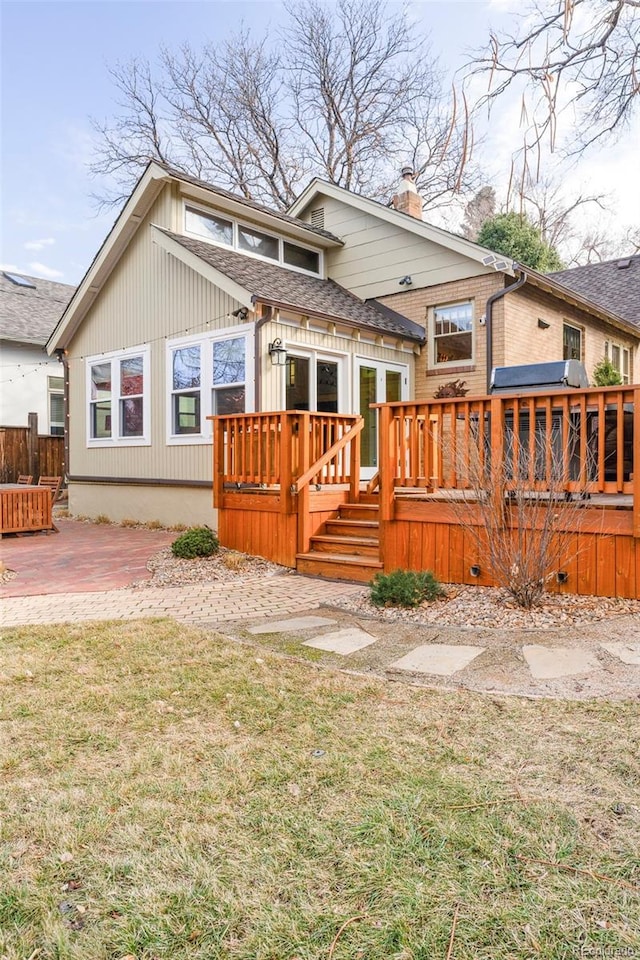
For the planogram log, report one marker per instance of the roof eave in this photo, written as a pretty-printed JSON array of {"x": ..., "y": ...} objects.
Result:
[
  {"x": 336, "y": 318},
  {"x": 129, "y": 219},
  {"x": 557, "y": 289}
]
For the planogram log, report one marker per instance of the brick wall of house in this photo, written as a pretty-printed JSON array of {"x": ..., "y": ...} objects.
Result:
[
  {"x": 517, "y": 336},
  {"x": 415, "y": 305},
  {"x": 526, "y": 342}
]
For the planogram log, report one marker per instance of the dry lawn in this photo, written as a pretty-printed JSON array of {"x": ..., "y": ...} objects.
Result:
[{"x": 166, "y": 795}]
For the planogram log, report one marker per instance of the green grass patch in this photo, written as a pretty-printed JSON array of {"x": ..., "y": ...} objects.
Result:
[{"x": 168, "y": 795}]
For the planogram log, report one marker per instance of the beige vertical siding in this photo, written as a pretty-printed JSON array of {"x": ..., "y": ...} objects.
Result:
[
  {"x": 377, "y": 254},
  {"x": 148, "y": 297},
  {"x": 272, "y": 378}
]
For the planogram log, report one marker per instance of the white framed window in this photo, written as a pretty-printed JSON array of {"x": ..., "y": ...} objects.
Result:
[
  {"x": 621, "y": 358},
  {"x": 572, "y": 342},
  {"x": 315, "y": 380},
  {"x": 118, "y": 398},
  {"x": 55, "y": 405},
  {"x": 452, "y": 334},
  {"x": 208, "y": 375},
  {"x": 250, "y": 240}
]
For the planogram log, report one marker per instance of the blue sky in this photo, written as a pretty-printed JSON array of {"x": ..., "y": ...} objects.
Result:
[{"x": 55, "y": 58}]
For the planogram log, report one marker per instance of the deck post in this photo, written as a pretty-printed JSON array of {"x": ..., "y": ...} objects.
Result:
[
  {"x": 354, "y": 466},
  {"x": 286, "y": 456},
  {"x": 304, "y": 495},
  {"x": 636, "y": 462},
  {"x": 387, "y": 471},
  {"x": 218, "y": 463},
  {"x": 496, "y": 470}
]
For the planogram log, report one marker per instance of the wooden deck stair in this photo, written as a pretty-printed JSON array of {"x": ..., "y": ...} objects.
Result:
[{"x": 347, "y": 547}]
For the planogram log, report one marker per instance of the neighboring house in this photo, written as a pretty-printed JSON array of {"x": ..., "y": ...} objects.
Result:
[
  {"x": 615, "y": 285},
  {"x": 31, "y": 380},
  {"x": 200, "y": 302},
  {"x": 443, "y": 282}
]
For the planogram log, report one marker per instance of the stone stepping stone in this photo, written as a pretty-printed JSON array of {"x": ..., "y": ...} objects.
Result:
[
  {"x": 440, "y": 659},
  {"x": 343, "y": 642},
  {"x": 295, "y": 623},
  {"x": 551, "y": 663},
  {"x": 627, "y": 652}
]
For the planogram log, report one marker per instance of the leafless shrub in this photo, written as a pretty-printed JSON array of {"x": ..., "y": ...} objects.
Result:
[{"x": 516, "y": 508}]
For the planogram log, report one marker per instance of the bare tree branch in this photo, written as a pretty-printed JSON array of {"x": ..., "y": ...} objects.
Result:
[{"x": 347, "y": 93}]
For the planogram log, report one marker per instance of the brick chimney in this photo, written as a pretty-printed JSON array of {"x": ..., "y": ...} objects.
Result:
[{"x": 407, "y": 199}]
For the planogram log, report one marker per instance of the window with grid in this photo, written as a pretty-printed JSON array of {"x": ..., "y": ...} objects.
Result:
[
  {"x": 118, "y": 398},
  {"x": 453, "y": 333}
]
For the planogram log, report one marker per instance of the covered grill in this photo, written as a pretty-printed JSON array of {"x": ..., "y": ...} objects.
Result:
[{"x": 529, "y": 377}]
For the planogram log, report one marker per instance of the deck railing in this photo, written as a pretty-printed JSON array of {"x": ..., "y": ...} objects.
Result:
[
  {"x": 285, "y": 450},
  {"x": 569, "y": 441}
]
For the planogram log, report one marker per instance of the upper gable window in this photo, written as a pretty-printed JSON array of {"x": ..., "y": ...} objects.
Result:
[
  {"x": 295, "y": 256},
  {"x": 207, "y": 226},
  {"x": 231, "y": 233}
]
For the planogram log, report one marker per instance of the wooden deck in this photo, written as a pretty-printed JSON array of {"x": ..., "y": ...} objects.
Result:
[{"x": 287, "y": 486}]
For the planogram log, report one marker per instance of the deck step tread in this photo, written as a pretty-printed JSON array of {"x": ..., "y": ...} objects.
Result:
[
  {"x": 350, "y": 558},
  {"x": 339, "y": 538}
]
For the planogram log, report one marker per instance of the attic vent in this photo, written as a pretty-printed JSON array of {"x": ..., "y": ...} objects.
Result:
[
  {"x": 623, "y": 264},
  {"x": 317, "y": 218}
]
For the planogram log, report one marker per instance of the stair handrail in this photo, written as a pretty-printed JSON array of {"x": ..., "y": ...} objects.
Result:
[{"x": 347, "y": 437}]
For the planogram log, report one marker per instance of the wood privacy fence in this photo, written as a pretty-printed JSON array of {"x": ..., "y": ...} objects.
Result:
[{"x": 24, "y": 451}]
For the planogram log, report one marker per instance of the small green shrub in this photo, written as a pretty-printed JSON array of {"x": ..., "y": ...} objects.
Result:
[
  {"x": 404, "y": 588},
  {"x": 197, "y": 542},
  {"x": 605, "y": 374}
]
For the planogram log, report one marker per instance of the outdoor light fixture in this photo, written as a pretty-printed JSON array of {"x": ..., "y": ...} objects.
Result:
[
  {"x": 405, "y": 281},
  {"x": 543, "y": 324},
  {"x": 475, "y": 570},
  {"x": 562, "y": 576},
  {"x": 278, "y": 353}
]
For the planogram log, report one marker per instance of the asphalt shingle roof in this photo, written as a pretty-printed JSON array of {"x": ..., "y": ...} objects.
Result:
[
  {"x": 250, "y": 204},
  {"x": 29, "y": 314},
  {"x": 271, "y": 283},
  {"x": 614, "y": 285}
]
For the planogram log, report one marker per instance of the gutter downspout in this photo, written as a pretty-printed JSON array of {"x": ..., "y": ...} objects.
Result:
[
  {"x": 257, "y": 357},
  {"x": 522, "y": 279}
]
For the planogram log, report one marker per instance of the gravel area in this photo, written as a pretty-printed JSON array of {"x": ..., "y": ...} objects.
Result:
[
  {"x": 167, "y": 570},
  {"x": 492, "y": 607}
]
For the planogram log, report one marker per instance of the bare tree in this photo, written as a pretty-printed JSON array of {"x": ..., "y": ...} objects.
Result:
[
  {"x": 347, "y": 93},
  {"x": 481, "y": 207},
  {"x": 583, "y": 52}
]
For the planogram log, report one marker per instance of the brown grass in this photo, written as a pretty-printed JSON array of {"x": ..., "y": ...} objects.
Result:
[{"x": 168, "y": 795}]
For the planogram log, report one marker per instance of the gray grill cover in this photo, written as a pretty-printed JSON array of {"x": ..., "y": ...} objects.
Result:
[{"x": 539, "y": 376}]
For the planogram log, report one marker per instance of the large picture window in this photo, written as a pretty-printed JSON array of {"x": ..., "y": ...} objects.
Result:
[
  {"x": 453, "y": 333},
  {"x": 118, "y": 399},
  {"x": 208, "y": 377}
]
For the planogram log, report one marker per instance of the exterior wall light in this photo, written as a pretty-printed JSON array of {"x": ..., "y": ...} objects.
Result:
[
  {"x": 562, "y": 576},
  {"x": 278, "y": 353},
  {"x": 474, "y": 570}
]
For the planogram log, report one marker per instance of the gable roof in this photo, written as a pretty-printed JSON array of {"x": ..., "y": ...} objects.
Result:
[
  {"x": 28, "y": 314},
  {"x": 614, "y": 284},
  {"x": 554, "y": 284},
  {"x": 274, "y": 285},
  {"x": 429, "y": 231}
]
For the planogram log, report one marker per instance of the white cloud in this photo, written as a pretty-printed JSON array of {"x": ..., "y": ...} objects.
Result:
[
  {"x": 39, "y": 244},
  {"x": 47, "y": 272}
]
